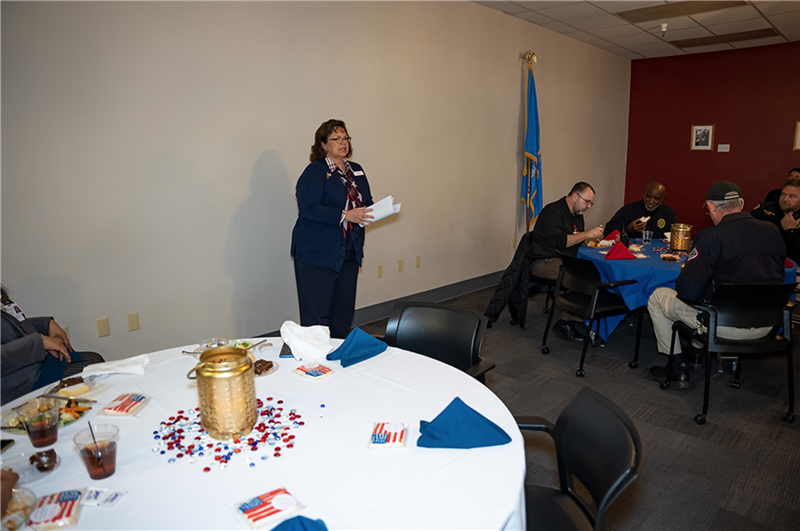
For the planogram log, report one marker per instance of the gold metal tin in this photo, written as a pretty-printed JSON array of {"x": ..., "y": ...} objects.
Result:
[
  {"x": 681, "y": 237},
  {"x": 226, "y": 389}
]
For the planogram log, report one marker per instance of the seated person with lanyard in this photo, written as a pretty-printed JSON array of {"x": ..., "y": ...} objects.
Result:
[
  {"x": 35, "y": 352},
  {"x": 736, "y": 250},
  {"x": 560, "y": 228},
  {"x": 775, "y": 195},
  {"x": 784, "y": 214},
  {"x": 648, "y": 214}
]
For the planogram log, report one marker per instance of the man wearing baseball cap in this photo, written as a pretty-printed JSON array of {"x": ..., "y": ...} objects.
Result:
[{"x": 738, "y": 249}]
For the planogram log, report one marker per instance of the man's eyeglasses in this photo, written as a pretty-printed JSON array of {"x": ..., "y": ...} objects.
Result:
[
  {"x": 340, "y": 139},
  {"x": 588, "y": 203}
]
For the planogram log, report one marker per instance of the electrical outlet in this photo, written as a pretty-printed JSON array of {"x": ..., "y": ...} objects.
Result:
[
  {"x": 419, "y": 262},
  {"x": 66, "y": 330},
  {"x": 133, "y": 321},
  {"x": 380, "y": 270},
  {"x": 102, "y": 327},
  {"x": 513, "y": 243},
  {"x": 400, "y": 266}
]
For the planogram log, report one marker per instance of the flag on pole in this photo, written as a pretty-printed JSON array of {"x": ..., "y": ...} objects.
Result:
[{"x": 532, "y": 171}]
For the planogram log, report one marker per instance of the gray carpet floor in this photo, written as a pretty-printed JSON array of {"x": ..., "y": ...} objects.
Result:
[{"x": 740, "y": 471}]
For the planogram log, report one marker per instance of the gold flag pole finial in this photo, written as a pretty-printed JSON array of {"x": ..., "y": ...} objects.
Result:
[{"x": 530, "y": 56}]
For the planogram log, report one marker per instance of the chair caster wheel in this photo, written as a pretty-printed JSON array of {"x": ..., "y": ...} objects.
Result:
[
  {"x": 700, "y": 419},
  {"x": 788, "y": 417},
  {"x": 664, "y": 385},
  {"x": 580, "y": 373},
  {"x": 546, "y": 310},
  {"x": 545, "y": 350},
  {"x": 736, "y": 385},
  {"x": 633, "y": 364},
  {"x": 512, "y": 322}
]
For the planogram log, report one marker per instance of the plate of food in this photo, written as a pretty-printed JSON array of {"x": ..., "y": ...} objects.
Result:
[
  {"x": 67, "y": 414},
  {"x": 265, "y": 367},
  {"x": 71, "y": 387},
  {"x": 31, "y": 466},
  {"x": 19, "y": 509}
]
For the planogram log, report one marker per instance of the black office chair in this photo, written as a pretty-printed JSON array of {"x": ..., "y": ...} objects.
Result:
[
  {"x": 547, "y": 285},
  {"x": 742, "y": 306},
  {"x": 597, "y": 443},
  {"x": 445, "y": 333},
  {"x": 581, "y": 291}
]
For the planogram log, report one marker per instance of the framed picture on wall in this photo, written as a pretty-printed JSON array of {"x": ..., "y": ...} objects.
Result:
[
  {"x": 702, "y": 138},
  {"x": 797, "y": 136}
]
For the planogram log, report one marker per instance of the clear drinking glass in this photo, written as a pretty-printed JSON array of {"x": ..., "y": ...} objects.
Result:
[{"x": 647, "y": 237}]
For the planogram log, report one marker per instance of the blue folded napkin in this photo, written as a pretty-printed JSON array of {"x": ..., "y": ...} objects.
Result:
[
  {"x": 460, "y": 426},
  {"x": 301, "y": 523},
  {"x": 358, "y": 346}
]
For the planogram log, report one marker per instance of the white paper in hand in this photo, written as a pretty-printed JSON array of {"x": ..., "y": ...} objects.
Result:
[
  {"x": 383, "y": 209},
  {"x": 310, "y": 343}
]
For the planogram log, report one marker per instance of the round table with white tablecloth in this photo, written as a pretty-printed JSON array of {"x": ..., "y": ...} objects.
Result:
[{"x": 331, "y": 469}]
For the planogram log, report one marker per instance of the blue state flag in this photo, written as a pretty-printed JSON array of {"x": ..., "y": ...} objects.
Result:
[{"x": 532, "y": 171}]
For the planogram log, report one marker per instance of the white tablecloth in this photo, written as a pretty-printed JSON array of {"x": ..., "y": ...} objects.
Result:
[{"x": 331, "y": 470}]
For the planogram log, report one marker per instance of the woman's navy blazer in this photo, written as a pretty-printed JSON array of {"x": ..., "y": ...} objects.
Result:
[{"x": 317, "y": 237}]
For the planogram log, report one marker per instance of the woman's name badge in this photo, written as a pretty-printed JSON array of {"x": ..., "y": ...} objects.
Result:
[{"x": 359, "y": 172}]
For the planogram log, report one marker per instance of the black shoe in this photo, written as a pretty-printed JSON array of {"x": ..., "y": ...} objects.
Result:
[
  {"x": 679, "y": 379},
  {"x": 567, "y": 330},
  {"x": 694, "y": 356}
]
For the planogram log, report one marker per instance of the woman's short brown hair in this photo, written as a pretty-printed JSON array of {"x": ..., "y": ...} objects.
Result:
[{"x": 321, "y": 137}]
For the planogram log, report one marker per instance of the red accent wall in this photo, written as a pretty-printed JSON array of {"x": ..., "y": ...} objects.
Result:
[{"x": 752, "y": 96}]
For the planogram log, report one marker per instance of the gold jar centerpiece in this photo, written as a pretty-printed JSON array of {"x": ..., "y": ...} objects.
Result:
[
  {"x": 227, "y": 391},
  {"x": 680, "y": 238}
]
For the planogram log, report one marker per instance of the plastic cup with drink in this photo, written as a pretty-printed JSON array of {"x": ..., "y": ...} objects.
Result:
[{"x": 98, "y": 448}]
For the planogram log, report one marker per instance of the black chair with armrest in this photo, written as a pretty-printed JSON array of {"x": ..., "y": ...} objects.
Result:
[
  {"x": 445, "y": 333},
  {"x": 742, "y": 306},
  {"x": 580, "y": 291},
  {"x": 596, "y": 443}
]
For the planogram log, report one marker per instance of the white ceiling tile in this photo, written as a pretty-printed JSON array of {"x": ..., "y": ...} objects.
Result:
[
  {"x": 634, "y": 40},
  {"x": 759, "y": 42},
  {"x": 506, "y": 7},
  {"x": 674, "y": 23},
  {"x": 617, "y": 31},
  {"x": 571, "y": 11},
  {"x": 777, "y": 8},
  {"x": 723, "y": 16},
  {"x": 737, "y": 27},
  {"x": 613, "y": 6},
  {"x": 560, "y": 27},
  {"x": 583, "y": 36},
  {"x": 542, "y": 5},
  {"x": 536, "y": 18},
  {"x": 786, "y": 20},
  {"x": 691, "y": 33},
  {"x": 709, "y": 48},
  {"x": 603, "y": 21},
  {"x": 628, "y": 54},
  {"x": 605, "y": 45}
]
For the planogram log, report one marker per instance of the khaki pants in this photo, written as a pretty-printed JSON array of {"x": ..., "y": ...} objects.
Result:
[{"x": 665, "y": 308}]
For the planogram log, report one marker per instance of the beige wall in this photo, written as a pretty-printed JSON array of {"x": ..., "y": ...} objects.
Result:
[{"x": 150, "y": 151}]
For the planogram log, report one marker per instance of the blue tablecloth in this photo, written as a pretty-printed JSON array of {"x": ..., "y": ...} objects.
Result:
[{"x": 651, "y": 273}]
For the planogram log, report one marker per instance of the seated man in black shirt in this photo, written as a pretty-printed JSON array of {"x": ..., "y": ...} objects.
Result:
[
  {"x": 775, "y": 195},
  {"x": 560, "y": 228},
  {"x": 629, "y": 218},
  {"x": 782, "y": 214}
]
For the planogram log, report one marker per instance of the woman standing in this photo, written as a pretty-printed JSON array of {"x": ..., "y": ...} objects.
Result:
[{"x": 327, "y": 241}]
